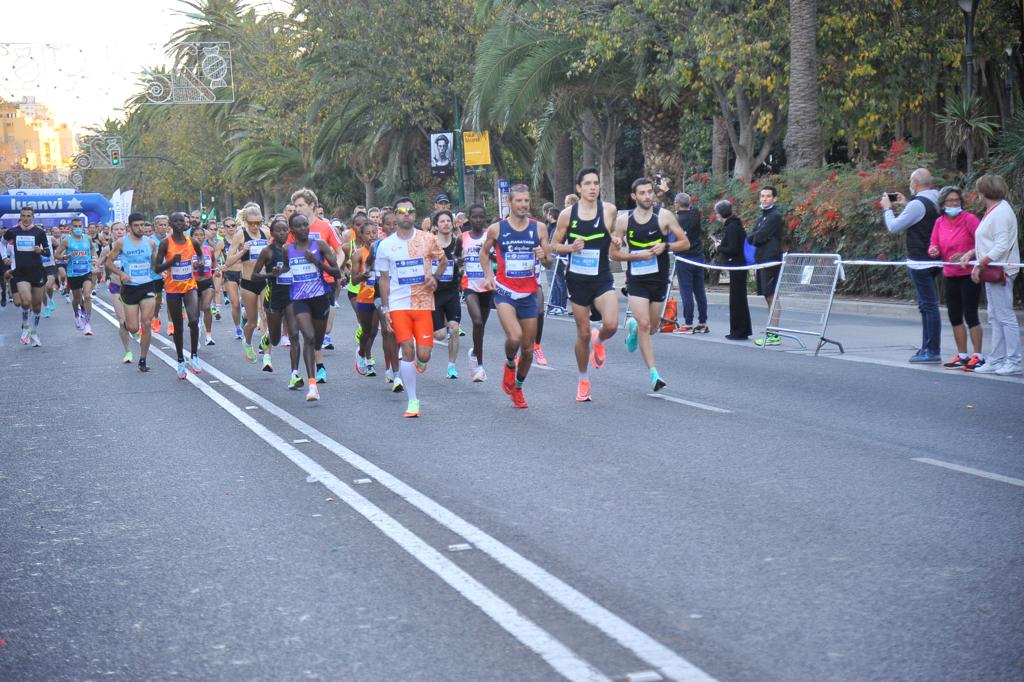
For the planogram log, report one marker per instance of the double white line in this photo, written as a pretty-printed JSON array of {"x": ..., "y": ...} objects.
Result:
[{"x": 566, "y": 662}]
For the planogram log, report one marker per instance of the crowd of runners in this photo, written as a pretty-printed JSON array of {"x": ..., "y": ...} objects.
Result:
[{"x": 282, "y": 276}]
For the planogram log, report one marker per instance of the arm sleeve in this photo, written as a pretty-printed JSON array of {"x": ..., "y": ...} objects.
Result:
[{"x": 912, "y": 213}]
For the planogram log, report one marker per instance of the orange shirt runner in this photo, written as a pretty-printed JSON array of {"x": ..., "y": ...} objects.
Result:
[{"x": 181, "y": 276}]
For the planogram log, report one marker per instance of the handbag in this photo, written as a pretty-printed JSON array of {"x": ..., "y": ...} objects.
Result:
[{"x": 992, "y": 274}]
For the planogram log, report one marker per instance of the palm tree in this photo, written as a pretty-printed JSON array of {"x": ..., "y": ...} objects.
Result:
[
  {"x": 803, "y": 133},
  {"x": 966, "y": 128}
]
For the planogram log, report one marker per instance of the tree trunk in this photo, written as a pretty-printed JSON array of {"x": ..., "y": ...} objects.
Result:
[
  {"x": 588, "y": 131},
  {"x": 470, "y": 186},
  {"x": 659, "y": 138},
  {"x": 562, "y": 170},
  {"x": 741, "y": 118},
  {"x": 803, "y": 135},
  {"x": 369, "y": 191},
  {"x": 719, "y": 147}
]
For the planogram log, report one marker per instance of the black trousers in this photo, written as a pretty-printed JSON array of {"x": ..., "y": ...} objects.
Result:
[{"x": 739, "y": 311}]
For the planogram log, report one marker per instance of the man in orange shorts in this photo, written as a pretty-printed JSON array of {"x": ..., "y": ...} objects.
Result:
[{"x": 406, "y": 288}]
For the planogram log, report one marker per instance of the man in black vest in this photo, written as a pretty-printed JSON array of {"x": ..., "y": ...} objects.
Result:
[{"x": 917, "y": 219}]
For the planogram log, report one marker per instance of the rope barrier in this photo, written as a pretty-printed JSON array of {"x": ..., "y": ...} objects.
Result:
[{"x": 771, "y": 264}]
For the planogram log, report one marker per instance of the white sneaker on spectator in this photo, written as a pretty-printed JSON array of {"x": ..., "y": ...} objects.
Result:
[
  {"x": 990, "y": 367},
  {"x": 1010, "y": 368}
]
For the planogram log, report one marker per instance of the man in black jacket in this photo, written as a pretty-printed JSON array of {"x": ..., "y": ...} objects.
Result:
[
  {"x": 691, "y": 277},
  {"x": 766, "y": 237}
]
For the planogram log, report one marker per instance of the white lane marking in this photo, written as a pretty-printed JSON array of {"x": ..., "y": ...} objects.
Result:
[
  {"x": 668, "y": 662},
  {"x": 251, "y": 407},
  {"x": 294, "y": 442},
  {"x": 970, "y": 470},
  {"x": 690, "y": 403},
  {"x": 557, "y": 655}
]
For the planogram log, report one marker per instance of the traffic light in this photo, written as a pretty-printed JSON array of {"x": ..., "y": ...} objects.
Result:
[
  {"x": 202, "y": 216},
  {"x": 115, "y": 157}
]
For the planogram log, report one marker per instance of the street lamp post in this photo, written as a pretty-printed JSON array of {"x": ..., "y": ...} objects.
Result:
[
  {"x": 1009, "y": 79},
  {"x": 968, "y": 7}
]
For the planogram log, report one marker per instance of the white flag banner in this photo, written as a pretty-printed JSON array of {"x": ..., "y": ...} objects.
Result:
[
  {"x": 115, "y": 202},
  {"x": 126, "y": 204}
]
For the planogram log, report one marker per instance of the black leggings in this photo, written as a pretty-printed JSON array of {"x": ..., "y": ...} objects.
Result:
[{"x": 962, "y": 297}]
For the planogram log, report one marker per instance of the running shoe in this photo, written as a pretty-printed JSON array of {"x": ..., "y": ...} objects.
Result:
[
  {"x": 195, "y": 364},
  {"x": 421, "y": 367},
  {"x": 156, "y": 325},
  {"x": 389, "y": 376},
  {"x": 312, "y": 393},
  {"x": 268, "y": 365},
  {"x": 87, "y": 329},
  {"x": 538, "y": 355},
  {"x": 79, "y": 322},
  {"x": 472, "y": 359},
  {"x": 286, "y": 342},
  {"x": 210, "y": 341},
  {"x": 702, "y": 329},
  {"x": 398, "y": 386},
  {"x": 683, "y": 329},
  {"x": 143, "y": 367},
  {"x": 657, "y": 383},
  {"x": 47, "y": 312},
  {"x": 479, "y": 374},
  {"x": 137, "y": 336},
  {"x": 360, "y": 365},
  {"x": 371, "y": 371},
  {"x": 583, "y": 392},
  {"x": 265, "y": 343},
  {"x": 359, "y": 334},
  {"x": 238, "y": 333},
  {"x": 632, "y": 336},
  {"x": 34, "y": 338},
  {"x": 518, "y": 399},
  {"x": 329, "y": 345},
  {"x": 508, "y": 379},
  {"x": 956, "y": 363},
  {"x": 295, "y": 382},
  {"x": 321, "y": 375},
  {"x": 250, "y": 355},
  {"x": 215, "y": 311},
  {"x": 412, "y": 409},
  {"x": 170, "y": 327},
  {"x": 974, "y": 363},
  {"x": 462, "y": 332},
  {"x": 24, "y": 334},
  {"x": 127, "y": 359},
  {"x": 181, "y": 370},
  {"x": 769, "y": 340},
  {"x": 453, "y": 373},
  {"x": 597, "y": 354}
]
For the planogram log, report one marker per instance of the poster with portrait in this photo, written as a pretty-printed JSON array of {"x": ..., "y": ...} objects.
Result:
[{"x": 442, "y": 153}]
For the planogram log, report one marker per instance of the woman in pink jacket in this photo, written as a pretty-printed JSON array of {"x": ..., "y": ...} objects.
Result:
[{"x": 952, "y": 237}]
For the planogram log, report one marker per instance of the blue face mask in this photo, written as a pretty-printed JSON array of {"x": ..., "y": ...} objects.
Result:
[
  {"x": 953, "y": 211},
  {"x": 77, "y": 231}
]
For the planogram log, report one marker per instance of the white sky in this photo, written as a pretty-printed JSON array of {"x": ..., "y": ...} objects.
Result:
[{"x": 83, "y": 59}]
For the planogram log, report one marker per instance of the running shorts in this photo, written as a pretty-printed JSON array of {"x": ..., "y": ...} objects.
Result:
[
  {"x": 526, "y": 307},
  {"x": 254, "y": 285},
  {"x": 652, "y": 289},
  {"x": 446, "y": 308},
  {"x": 417, "y": 325},
  {"x": 767, "y": 278},
  {"x": 52, "y": 271},
  {"x": 133, "y": 294},
  {"x": 35, "y": 276},
  {"x": 158, "y": 286},
  {"x": 233, "y": 276},
  {"x": 316, "y": 307},
  {"x": 280, "y": 297},
  {"x": 204, "y": 284},
  {"x": 76, "y": 283},
  {"x": 586, "y": 292}
]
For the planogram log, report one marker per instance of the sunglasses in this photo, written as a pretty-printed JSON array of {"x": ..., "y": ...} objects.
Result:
[{"x": 405, "y": 211}]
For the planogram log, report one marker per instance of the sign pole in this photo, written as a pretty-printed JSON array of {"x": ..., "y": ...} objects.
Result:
[{"x": 459, "y": 161}]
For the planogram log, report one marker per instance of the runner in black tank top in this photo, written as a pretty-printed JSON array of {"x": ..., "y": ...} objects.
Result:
[
  {"x": 648, "y": 257},
  {"x": 584, "y": 232},
  {"x": 447, "y": 307}
]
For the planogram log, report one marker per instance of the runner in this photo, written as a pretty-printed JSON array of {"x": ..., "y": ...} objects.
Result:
[
  {"x": 4, "y": 268},
  {"x": 478, "y": 298},
  {"x": 131, "y": 260},
  {"x": 649, "y": 260},
  {"x": 62, "y": 265},
  {"x": 52, "y": 271},
  {"x": 232, "y": 277},
  {"x": 588, "y": 225},
  {"x": 215, "y": 242},
  {"x": 366, "y": 311},
  {"x": 245, "y": 249},
  {"x": 29, "y": 244},
  {"x": 308, "y": 260},
  {"x": 205, "y": 270},
  {"x": 519, "y": 242},
  {"x": 161, "y": 229},
  {"x": 447, "y": 307},
  {"x": 407, "y": 294},
  {"x": 272, "y": 266},
  {"x": 114, "y": 288},
  {"x": 389, "y": 225},
  {"x": 177, "y": 255},
  {"x": 351, "y": 243},
  {"x": 80, "y": 252}
]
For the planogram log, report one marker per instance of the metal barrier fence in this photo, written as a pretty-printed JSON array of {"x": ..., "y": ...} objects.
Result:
[{"x": 803, "y": 297}]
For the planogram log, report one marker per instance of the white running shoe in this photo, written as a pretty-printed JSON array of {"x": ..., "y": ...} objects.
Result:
[{"x": 479, "y": 374}]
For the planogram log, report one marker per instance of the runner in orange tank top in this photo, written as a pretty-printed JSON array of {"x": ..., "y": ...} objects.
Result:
[{"x": 176, "y": 258}]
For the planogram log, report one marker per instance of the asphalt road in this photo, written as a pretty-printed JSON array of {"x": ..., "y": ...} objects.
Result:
[{"x": 770, "y": 522}]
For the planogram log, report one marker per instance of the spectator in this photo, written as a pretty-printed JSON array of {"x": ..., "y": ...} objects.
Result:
[
  {"x": 952, "y": 237},
  {"x": 558, "y": 300},
  {"x": 731, "y": 247},
  {"x": 570, "y": 199},
  {"x": 995, "y": 241},
  {"x": 766, "y": 238},
  {"x": 691, "y": 277},
  {"x": 917, "y": 219}
]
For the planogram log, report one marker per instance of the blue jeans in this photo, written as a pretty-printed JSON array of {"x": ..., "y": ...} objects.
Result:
[
  {"x": 559, "y": 297},
  {"x": 928, "y": 304},
  {"x": 691, "y": 286}
]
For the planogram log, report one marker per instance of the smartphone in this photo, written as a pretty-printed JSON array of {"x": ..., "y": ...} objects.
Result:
[{"x": 893, "y": 197}]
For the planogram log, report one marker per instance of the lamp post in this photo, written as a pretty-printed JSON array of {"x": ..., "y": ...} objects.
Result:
[
  {"x": 968, "y": 7},
  {"x": 1009, "y": 79}
]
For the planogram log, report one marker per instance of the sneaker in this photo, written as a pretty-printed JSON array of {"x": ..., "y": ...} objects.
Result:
[
  {"x": 312, "y": 393},
  {"x": 268, "y": 365},
  {"x": 195, "y": 364},
  {"x": 328, "y": 344},
  {"x": 238, "y": 334},
  {"x": 583, "y": 392},
  {"x": 657, "y": 384},
  {"x": 479, "y": 374},
  {"x": 143, "y": 367},
  {"x": 974, "y": 363},
  {"x": 34, "y": 338},
  {"x": 24, "y": 334},
  {"x": 215, "y": 311},
  {"x": 181, "y": 370},
  {"x": 295, "y": 382},
  {"x": 1010, "y": 369},
  {"x": 286, "y": 342},
  {"x": 956, "y": 362},
  {"x": 769, "y": 340},
  {"x": 701, "y": 329},
  {"x": 989, "y": 367},
  {"x": 518, "y": 399},
  {"x": 462, "y": 332},
  {"x": 398, "y": 386},
  {"x": 127, "y": 359},
  {"x": 371, "y": 371},
  {"x": 47, "y": 312},
  {"x": 412, "y": 409},
  {"x": 538, "y": 355},
  {"x": 359, "y": 334},
  {"x": 156, "y": 325},
  {"x": 87, "y": 329},
  {"x": 683, "y": 329},
  {"x": 79, "y": 322},
  {"x": 210, "y": 341},
  {"x": 921, "y": 357},
  {"x": 249, "y": 354},
  {"x": 389, "y": 376},
  {"x": 360, "y": 365},
  {"x": 265, "y": 343},
  {"x": 421, "y": 367},
  {"x": 597, "y": 354},
  {"x": 453, "y": 373},
  {"x": 472, "y": 359},
  {"x": 631, "y": 337},
  {"x": 321, "y": 375},
  {"x": 508, "y": 379}
]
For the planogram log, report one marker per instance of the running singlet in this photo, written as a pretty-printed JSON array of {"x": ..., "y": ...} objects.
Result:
[
  {"x": 251, "y": 246},
  {"x": 590, "y": 264},
  {"x": 448, "y": 279},
  {"x": 517, "y": 277},
  {"x": 79, "y": 256},
  {"x": 368, "y": 288},
  {"x": 640, "y": 237},
  {"x": 321, "y": 230},
  {"x": 207, "y": 268},
  {"x": 407, "y": 262},
  {"x": 48, "y": 259},
  {"x": 24, "y": 243},
  {"x": 473, "y": 277},
  {"x": 180, "y": 277},
  {"x": 306, "y": 279},
  {"x": 137, "y": 260}
]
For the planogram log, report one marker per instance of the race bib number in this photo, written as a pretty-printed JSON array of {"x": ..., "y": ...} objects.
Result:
[
  {"x": 208, "y": 262},
  {"x": 644, "y": 267},
  {"x": 255, "y": 246},
  {"x": 473, "y": 268},
  {"x": 25, "y": 242},
  {"x": 449, "y": 271},
  {"x": 182, "y": 272},
  {"x": 79, "y": 268},
  {"x": 302, "y": 270},
  {"x": 371, "y": 279},
  {"x": 410, "y": 271},
  {"x": 585, "y": 262},
  {"x": 139, "y": 273},
  {"x": 520, "y": 264}
]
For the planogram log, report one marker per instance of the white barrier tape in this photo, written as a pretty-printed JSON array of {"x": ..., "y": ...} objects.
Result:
[{"x": 771, "y": 264}]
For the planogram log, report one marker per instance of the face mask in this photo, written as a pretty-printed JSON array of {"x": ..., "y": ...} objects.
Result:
[
  {"x": 953, "y": 211},
  {"x": 77, "y": 231}
]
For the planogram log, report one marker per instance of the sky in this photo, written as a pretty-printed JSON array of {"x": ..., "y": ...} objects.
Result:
[{"x": 84, "y": 59}]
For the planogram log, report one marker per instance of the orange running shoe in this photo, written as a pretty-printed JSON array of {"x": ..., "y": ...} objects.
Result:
[
  {"x": 508, "y": 379},
  {"x": 170, "y": 327},
  {"x": 156, "y": 325},
  {"x": 583, "y": 392},
  {"x": 518, "y": 399},
  {"x": 538, "y": 355},
  {"x": 597, "y": 355}
]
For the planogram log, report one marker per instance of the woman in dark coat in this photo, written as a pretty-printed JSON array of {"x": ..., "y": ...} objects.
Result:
[{"x": 731, "y": 248}]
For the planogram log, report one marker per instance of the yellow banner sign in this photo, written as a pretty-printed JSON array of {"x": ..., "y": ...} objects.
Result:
[{"x": 476, "y": 148}]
